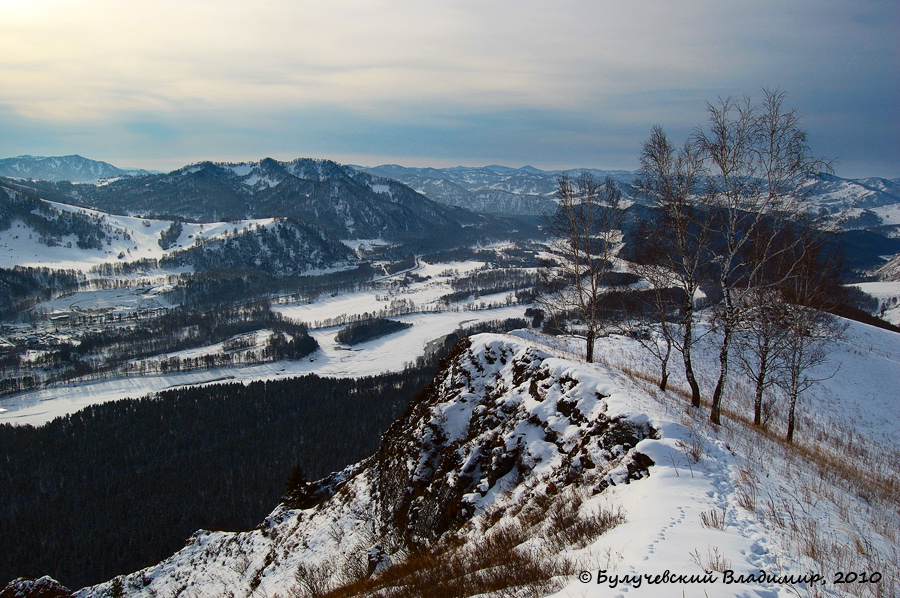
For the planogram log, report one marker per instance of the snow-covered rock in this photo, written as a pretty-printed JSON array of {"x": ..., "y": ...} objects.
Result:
[
  {"x": 43, "y": 587},
  {"x": 504, "y": 422}
]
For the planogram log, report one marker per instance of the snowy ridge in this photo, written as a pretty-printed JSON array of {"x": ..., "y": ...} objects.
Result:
[
  {"x": 836, "y": 193},
  {"x": 502, "y": 420},
  {"x": 129, "y": 238},
  {"x": 858, "y": 204},
  {"x": 487, "y": 190},
  {"x": 512, "y": 441}
]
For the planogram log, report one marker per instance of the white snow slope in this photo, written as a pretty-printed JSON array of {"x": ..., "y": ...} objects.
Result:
[
  {"x": 516, "y": 447},
  {"x": 132, "y": 238}
]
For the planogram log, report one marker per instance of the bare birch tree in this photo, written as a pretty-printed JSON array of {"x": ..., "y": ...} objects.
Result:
[
  {"x": 674, "y": 248},
  {"x": 764, "y": 340},
  {"x": 811, "y": 330},
  {"x": 756, "y": 162},
  {"x": 584, "y": 229},
  {"x": 650, "y": 317}
]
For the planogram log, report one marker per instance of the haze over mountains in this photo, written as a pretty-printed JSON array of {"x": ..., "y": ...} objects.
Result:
[
  {"x": 489, "y": 189},
  {"x": 285, "y": 218},
  {"x": 63, "y": 168},
  {"x": 209, "y": 191},
  {"x": 323, "y": 210}
]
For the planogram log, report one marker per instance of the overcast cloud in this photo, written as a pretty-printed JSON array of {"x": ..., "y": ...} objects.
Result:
[{"x": 551, "y": 84}]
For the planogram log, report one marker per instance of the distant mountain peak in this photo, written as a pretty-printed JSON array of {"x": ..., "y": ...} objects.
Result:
[{"x": 73, "y": 167}]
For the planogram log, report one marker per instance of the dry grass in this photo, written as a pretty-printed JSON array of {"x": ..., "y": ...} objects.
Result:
[
  {"x": 692, "y": 448},
  {"x": 496, "y": 565},
  {"x": 713, "y": 519},
  {"x": 713, "y": 561},
  {"x": 515, "y": 552}
]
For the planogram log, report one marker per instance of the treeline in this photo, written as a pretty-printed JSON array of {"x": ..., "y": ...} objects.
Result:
[
  {"x": 50, "y": 223},
  {"x": 404, "y": 307},
  {"x": 228, "y": 286},
  {"x": 169, "y": 237},
  {"x": 184, "y": 329},
  {"x": 366, "y": 330},
  {"x": 235, "y": 353},
  {"x": 489, "y": 281},
  {"x": 180, "y": 329},
  {"x": 22, "y": 287},
  {"x": 397, "y": 307},
  {"x": 404, "y": 264},
  {"x": 495, "y": 280},
  {"x": 125, "y": 268},
  {"x": 524, "y": 254},
  {"x": 223, "y": 286}
]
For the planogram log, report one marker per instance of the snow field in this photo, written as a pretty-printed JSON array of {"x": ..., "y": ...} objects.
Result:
[
  {"x": 19, "y": 245},
  {"x": 425, "y": 293},
  {"x": 888, "y": 295}
]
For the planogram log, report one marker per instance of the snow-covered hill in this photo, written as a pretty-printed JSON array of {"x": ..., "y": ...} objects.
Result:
[
  {"x": 122, "y": 238},
  {"x": 522, "y": 472},
  {"x": 484, "y": 200},
  {"x": 342, "y": 202},
  {"x": 488, "y": 189},
  {"x": 63, "y": 168},
  {"x": 837, "y": 193},
  {"x": 39, "y": 233}
]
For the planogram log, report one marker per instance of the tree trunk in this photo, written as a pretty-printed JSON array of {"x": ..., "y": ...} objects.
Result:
[
  {"x": 692, "y": 380},
  {"x": 757, "y": 404},
  {"x": 664, "y": 375},
  {"x": 760, "y": 385},
  {"x": 589, "y": 350},
  {"x": 792, "y": 413},
  {"x": 715, "y": 415},
  {"x": 688, "y": 367}
]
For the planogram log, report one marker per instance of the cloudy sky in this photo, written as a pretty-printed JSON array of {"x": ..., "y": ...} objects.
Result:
[{"x": 569, "y": 83}]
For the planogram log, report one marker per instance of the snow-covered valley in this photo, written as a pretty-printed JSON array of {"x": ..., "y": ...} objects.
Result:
[
  {"x": 387, "y": 354},
  {"x": 431, "y": 317}
]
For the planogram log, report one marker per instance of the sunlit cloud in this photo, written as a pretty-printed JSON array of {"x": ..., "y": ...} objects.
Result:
[{"x": 413, "y": 66}]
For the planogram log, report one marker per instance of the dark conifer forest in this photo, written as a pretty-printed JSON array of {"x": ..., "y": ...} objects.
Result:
[
  {"x": 120, "y": 486},
  {"x": 366, "y": 330}
]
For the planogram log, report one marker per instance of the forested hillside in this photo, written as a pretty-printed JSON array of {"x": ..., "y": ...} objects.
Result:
[{"x": 127, "y": 482}]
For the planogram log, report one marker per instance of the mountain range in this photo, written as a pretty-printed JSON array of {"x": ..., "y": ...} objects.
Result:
[
  {"x": 208, "y": 190},
  {"x": 404, "y": 210},
  {"x": 490, "y": 189},
  {"x": 341, "y": 202}
]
